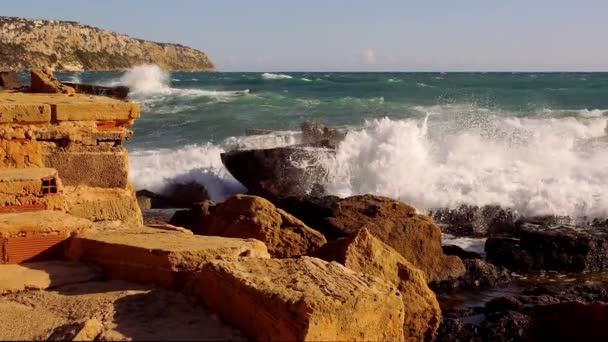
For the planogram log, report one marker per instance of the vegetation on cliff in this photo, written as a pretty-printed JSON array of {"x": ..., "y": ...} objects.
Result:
[{"x": 69, "y": 46}]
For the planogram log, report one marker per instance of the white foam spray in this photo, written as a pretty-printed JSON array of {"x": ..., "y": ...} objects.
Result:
[{"x": 271, "y": 76}]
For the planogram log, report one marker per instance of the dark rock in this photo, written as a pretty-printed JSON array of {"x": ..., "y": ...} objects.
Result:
[
  {"x": 505, "y": 326},
  {"x": 395, "y": 223},
  {"x": 279, "y": 172},
  {"x": 314, "y": 211},
  {"x": 183, "y": 195},
  {"x": 460, "y": 252},
  {"x": 569, "y": 321},
  {"x": 454, "y": 330},
  {"x": 474, "y": 221},
  {"x": 195, "y": 218},
  {"x": 9, "y": 80},
  {"x": 479, "y": 274},
  {"x": 119, "y": 92},
  {"x": 150, "y": 200},
  {"x": 314, "y": 133},
  {"x": 570, "y": 249}
]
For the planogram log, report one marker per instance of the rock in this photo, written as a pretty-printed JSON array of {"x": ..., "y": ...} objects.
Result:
[
  {"x": 103, "y": 204},
  {"x": 119, "y": 92},
  {"x": 314, "y": 211},
  {"x": 183, "y": 195},
  {"x": 452, "y": 330},
  {"x": 195, "y": 218},
  {"x": 573, "y": 249},
  {"x": 150, "y": 200},
  {"x": 279, "y": 172},
  {"x": 459, "y": 252},
  {"x": 44, "y": 275},
  {"x": 43, "y": 81},
  {"x": 83, "y": 331},
  {"x": 314, "y": 133},
  {"x": 243, "y": 216},
  {"x": 479, "y": 274},
  {"x": 474, "y": 221},
  {"x": 362, "y": 252},
  {"x": 569, "y": 321},
  {"x": 397, "y": 224},
  {"x": 159, "y": 256},
  {"x": 304, "y": 299},
  {"x": 9, "y": 80}
]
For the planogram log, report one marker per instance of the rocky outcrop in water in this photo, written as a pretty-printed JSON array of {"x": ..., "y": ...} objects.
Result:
[{"x": 69, "y": 46}]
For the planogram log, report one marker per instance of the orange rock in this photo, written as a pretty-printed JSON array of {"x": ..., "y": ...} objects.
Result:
[
  {"x": 362, "y": 252},
  {"x": 304, "y": 299},
  {"x": 244, "y": 216},
  {"x": 43, "y": 81}
]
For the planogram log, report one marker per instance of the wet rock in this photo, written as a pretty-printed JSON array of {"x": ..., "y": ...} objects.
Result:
[
  {"x": 183, "y": 195},
  {"x": 569, "y": 321},
  {"x": 460, "y": 252},
  {"x": 43, "y": 81},
  {"x": 303, "y": 299},
  {"x": 362, "y": 252},
  {"x": 563, "y": 248},
  {"x": 195, "y": 218},
  {"x": 279, "y": 172},
  {"x": 119, "y": 92},
  {"x": 395, "y": 223},
  {"x": 253, "y": 217},
  {"x": 9, "y": 80},
  {"x": 314, "y": 211},
  {"x": 314, "y": 133},
  {"x": 474, "y": 221},
  {"x": 452, "y": 329},
  {"x": 479, "y": 274}
]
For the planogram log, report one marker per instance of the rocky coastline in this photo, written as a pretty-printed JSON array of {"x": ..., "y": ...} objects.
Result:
[{"x": 283, "y": 262}]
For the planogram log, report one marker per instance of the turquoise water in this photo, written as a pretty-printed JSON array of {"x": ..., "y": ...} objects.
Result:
[{"x": 535, "y": 142}]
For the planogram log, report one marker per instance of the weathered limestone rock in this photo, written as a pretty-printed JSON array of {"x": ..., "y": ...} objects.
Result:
[
  {"x": 253, "y": 217},
  {"x": 362, "y": 252},
  {"x": 103, "y": 204},
  {"x": 164, "y": 257},
  {"x": 93, "y": 169},
  {"x": 279, "y": 172},
  {"x": 9, "y": 80},
  {"x": 305, "y": 299},
  {"x": 397, "y": 224},
  {"x": 20, "y": 154},
  {"x": 43, "y": 81},
  {"x": 25, "y": 113},
  {"x": 27, "y": 187},
  {"x": 551, "y": 248},
  {"x": 43, "y": 275}
]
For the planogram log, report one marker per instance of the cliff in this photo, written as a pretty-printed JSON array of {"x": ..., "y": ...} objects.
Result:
[{"x": 69, "y": 46}]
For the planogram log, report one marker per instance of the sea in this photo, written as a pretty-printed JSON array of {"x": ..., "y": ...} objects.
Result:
[{"x": 533, "y": 142}]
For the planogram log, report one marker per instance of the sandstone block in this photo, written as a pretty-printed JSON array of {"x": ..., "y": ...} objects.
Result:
[
  {"x": 24, "y": 113},
  {"x": 305, "y": 299},
  {"x": 244, "y": 216},
  {"x": 19, "y": 153},
  {"x": 92, "y": 111},
  {"x": 103, "y": 204},
  {"x": 362, "y": 252},
  {"x": 43, "y": 81},
  {"x": 94, "y": 169},
  {"x": 164, "y": 257}
]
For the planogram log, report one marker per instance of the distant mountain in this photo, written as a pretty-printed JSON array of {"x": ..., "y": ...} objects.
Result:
[{"x": 69, "y": 46}]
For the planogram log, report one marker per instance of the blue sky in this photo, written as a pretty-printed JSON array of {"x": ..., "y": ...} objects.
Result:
[{"x": 352, "y": 35}]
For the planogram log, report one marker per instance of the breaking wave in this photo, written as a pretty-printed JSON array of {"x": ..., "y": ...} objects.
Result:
[{"x": 271, "y": 76}]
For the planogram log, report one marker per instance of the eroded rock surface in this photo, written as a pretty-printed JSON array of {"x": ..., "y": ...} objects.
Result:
[{"x": 304, "y": 299}]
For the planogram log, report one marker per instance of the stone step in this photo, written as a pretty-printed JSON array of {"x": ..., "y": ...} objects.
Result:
[
  {"x": 38, "y": 235},
  {"x": 23, "y": 190},
  {"x": 150, "y": 255},
  {"x": 44, "y": 275}
]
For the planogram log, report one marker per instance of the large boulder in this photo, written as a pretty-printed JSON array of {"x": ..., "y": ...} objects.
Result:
[
  {"x": 43, "y": 81},
  {"x": 362, "y": 252},
  {"x": 243, "y": 216},
  {"x": 563, "y": 248},
  {"x": 279, "y": 172},
  {"x": 395, "y": 223},
  {"x": 479, "y": 274},
  {"x": 314, "y": 133},
  {"x": 9, "y": 80},
  {"x": 467, "y": 220},
  {"x": 304, "y": 299}
]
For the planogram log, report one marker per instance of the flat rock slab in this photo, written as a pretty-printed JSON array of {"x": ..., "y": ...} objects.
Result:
[
  {"x": 44, "y": 275},
  {"x": 301, "y": 299},
  {"x": 164, "y": 257},
  {"x": 30, "y": 107},
  {"x": 40, "y": 223},
  {"x": 125, "y": 311}
]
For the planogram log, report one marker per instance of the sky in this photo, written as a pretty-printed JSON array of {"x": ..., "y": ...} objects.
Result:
[{"x": 356, "y": 35}]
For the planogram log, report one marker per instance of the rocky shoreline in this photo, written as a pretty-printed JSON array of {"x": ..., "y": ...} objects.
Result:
[{"x": 283, "y": 262}]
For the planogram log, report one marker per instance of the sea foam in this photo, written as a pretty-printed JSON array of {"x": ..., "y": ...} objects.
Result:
[{"x": 271, "y": 76}]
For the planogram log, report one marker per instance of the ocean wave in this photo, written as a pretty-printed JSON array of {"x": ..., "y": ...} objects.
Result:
[
  {"x": 536, "y": 166},
  {"x": 271, "y": 76},
  {"x": 149, "y": 84}
]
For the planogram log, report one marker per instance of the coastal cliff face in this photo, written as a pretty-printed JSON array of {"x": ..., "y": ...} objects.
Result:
[{"x": 68, "y": 46}]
